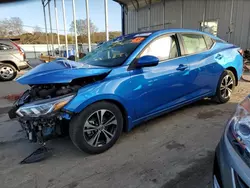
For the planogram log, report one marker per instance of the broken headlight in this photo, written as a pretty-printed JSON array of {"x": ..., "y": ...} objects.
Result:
[
  {"x": 43, "y": 107},
  {"x": 239, "y": 130}
]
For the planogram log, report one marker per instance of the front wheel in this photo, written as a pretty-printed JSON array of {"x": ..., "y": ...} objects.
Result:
[
  {"x": 7, "y": 72},
  {"x": 225, "y": 87},
  {"x": 96, "y": 128}
]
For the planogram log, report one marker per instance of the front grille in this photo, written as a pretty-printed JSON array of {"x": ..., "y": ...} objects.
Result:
[{"x": 239, "y": 182}]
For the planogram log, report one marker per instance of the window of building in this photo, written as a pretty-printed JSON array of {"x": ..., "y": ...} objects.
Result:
[
  {"x": 164, "y": 48},
  {"x": 210, "y": 27},
  {"x": 193, "y": 43}
]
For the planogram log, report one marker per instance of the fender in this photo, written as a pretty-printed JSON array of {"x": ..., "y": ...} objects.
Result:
[
  {"x": 92, "y": 94},
  {"x": 10, "y": 62}
]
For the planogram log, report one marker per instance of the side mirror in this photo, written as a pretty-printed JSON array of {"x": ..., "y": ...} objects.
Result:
[{"x": 147, "y": 61}]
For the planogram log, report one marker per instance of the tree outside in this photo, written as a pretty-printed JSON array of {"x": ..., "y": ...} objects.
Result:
[
  {"x": 13, "y": 27},
  {"x": 37, "y": 29},
  {"x": 81, "y": 27}
]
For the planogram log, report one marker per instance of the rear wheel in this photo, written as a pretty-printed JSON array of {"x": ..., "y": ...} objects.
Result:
[
  {"x": 97, "y": 128},
  {"x": 225, "y": 87},
  {"x": 7, "y": 72}
]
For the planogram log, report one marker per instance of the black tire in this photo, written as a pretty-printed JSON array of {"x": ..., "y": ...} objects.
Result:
[
  {"x": 10, "y": 68},
  {"x": 72, "y": 58},
  {"x": 77, "y": 126},
  {"x": 219, "y": 97}
]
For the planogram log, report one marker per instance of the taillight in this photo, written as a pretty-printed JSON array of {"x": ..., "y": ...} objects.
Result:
[
  {"x": 18, "y": 48},
  {"x": 241, "y": 52}
]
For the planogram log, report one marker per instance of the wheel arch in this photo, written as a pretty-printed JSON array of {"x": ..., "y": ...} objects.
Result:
[
  {"x": 11, "y": 63},
  {"x": 233, "y": 70},
  {"x": 126, "y": 116},
  {"x": 123, "y": 111}
]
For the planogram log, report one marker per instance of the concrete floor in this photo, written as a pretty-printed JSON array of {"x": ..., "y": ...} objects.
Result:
[{"x": 174, "y": 150}]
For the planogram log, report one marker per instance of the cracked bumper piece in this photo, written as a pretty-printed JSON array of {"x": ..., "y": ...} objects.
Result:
[{"x": 42, "y": 120}]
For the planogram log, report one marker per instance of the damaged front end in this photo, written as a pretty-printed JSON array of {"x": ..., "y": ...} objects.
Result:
[
  {"x": 52, "y": 86},
  {"x": 39, "y": 111}
]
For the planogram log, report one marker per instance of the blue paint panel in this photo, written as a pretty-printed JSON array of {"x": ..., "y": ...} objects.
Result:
[
  {"x": 145, "y": 92},
  {"x": 60, "y": 71}
]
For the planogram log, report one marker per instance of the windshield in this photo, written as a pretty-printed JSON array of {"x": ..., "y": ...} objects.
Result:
[{"x": 113, "y": 53}]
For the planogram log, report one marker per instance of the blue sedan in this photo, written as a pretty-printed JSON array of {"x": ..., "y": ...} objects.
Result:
[{"x": 124, "y": 82}]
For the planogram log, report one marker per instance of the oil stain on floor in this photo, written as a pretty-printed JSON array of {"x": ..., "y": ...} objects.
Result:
[{"x": 209, "y": 114}]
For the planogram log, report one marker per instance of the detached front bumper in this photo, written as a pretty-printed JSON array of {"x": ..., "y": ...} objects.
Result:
[
  {"x": 230, "y": 171},
  {"x": 41, "y": 129},
  {"x": 44, "y": 127}
]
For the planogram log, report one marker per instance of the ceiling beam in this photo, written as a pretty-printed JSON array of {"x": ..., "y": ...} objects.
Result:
[{"x": 135, "y": 6}]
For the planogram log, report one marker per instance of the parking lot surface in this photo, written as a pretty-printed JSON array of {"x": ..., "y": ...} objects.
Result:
[{"x": 174, "y": 150}]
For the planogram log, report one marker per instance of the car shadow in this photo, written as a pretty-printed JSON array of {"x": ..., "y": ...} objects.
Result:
[{"x": 201, "y": 110}]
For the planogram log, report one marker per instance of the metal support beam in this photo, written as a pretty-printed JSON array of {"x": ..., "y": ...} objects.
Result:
[
  {"x": 57, "y": 26},
  {"x": 123, "y": 19},
  {"x": 149, "y": 14},
  {"x": 106, "y": 20},
  {"x": 45, "y": 23},
  {"x": 204, "y": 15},
  {"x": 231, "y": 22},
  {"x": 88, "y": 24},
  {"x": 138, "y": 5},
  {"x": 134, "y": 5},
  {"x": 182, "y": 10},
  {"x": 163, "y": 14},
  {"x": 65, "y": 31},
  {"x": 76, "y": 43},
  {"x": 52, "y": 40}
]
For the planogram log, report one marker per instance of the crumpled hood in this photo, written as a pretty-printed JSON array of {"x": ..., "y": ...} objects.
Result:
[{"x": 60, "y": 71}]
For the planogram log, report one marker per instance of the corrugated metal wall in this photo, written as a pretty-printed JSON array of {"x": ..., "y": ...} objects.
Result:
[
  {"x": 173, "y": 15},
  {"x": 190, "y": 14}
]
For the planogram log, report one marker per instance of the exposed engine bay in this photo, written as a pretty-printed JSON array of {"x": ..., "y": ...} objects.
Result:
[{"x": 40, "y": 92}]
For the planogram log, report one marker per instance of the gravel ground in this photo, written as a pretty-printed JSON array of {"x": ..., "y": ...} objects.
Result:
[{"x": 174, "y": 150}]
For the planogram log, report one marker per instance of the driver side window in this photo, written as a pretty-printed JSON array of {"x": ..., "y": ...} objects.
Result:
[{"x": 163, "y": 47}]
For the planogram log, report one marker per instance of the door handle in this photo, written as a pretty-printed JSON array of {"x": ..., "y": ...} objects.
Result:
[
  {"x": 219, "y": 56},
  {"x": 182, "y": 67}
]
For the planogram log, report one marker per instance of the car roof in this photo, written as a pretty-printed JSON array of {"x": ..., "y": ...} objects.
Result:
[{"x": 166, "y": 31}]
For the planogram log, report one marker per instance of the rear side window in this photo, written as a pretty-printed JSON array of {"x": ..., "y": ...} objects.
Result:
[
  {"x": 209, "y": 41},
  {"x": 4, "y": 47},
  {"x": 193, "y": 43}
]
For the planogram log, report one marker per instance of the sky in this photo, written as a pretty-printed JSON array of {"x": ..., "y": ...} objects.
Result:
[{"x": 31, "y": 13}]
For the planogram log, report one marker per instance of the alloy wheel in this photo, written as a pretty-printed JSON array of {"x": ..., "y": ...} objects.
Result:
[
  {"x": 100, "y": 128},
  {"x": 6, "y": 72},
  {"x": 226, "y": 86}
]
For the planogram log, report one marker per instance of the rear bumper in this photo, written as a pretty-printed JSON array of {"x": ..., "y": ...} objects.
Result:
[
  {"x": 230, "y": 171},
  {"x": 23, "y": 65}
]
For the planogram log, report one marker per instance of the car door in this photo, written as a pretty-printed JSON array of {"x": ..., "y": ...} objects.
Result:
[
  {"x": 200, "y": 59},
  {"x": 157, "y": 88}
]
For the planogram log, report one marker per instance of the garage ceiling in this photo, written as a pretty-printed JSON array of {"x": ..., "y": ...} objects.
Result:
[{"x": 136, "y": 4}]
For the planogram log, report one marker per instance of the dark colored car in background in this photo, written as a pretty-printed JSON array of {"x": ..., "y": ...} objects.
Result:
[
  {"x": 12, "y": 59},
  {"x": 232, "y": 158}
]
